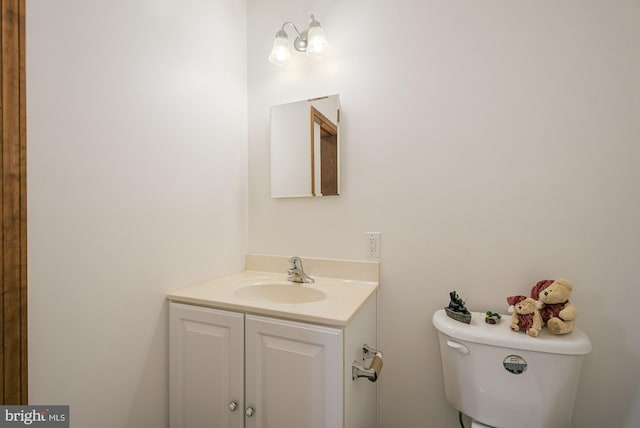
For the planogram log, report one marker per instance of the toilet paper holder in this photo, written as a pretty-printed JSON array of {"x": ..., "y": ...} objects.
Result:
[{"x": 371, "y": 373}]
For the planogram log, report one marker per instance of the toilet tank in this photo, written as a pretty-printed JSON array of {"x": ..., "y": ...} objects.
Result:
[{"x": 508, "y": 379}]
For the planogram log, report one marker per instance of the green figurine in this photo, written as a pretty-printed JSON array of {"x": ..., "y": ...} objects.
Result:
[{"x": 492, "y": 318}]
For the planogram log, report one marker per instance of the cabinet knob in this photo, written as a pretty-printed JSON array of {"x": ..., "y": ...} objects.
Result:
[
  {"x": 249, "y": 411},
  {"x": 233, "y": 406}
]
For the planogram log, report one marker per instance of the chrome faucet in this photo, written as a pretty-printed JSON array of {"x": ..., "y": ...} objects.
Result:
[{"x": 296, "y": 273}]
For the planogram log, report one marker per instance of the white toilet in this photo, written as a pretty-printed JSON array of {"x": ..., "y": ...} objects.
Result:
[{"x": 505, "y": 379}]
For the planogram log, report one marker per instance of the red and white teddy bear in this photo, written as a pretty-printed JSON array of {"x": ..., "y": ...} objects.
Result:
[
  {"x": 548, "y": 305},
  {"x": 526, "y": 315},
  {"x": 553, "y": 300}
]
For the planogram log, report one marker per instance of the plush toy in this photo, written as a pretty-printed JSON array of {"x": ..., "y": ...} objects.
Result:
[
  {"x": 553, "y": 301},
  {"x": 526, "y": 315}
]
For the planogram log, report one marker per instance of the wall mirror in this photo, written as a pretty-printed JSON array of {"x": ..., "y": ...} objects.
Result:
[{"x": 305, "y": 148}]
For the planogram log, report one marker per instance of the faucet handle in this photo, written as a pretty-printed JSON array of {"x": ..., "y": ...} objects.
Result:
[
  {"x": 296, "y": 262},
  {"x": 296, "y": 272}
]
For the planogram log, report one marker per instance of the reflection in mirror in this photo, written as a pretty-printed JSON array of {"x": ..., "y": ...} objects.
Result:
[{"x": 305, "y": 148}]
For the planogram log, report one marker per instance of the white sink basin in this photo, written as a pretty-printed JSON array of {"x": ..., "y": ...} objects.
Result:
[{"x": 280, "y": 293}]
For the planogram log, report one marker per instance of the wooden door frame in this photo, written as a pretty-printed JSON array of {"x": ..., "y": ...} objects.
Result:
[
  {"x": 327, "y": 127},
  {"x": 13, "y": 205}
]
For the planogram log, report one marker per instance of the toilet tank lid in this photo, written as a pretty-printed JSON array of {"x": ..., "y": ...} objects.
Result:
[{"x": 478, "y": 331}]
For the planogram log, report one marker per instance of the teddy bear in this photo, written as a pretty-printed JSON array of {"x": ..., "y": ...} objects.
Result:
[
  {"x": 526, "y": 315},
  {"x": 553, "y": 300}
]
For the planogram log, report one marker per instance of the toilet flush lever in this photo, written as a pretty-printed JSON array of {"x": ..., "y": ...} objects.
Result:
[{"x": 458, "y": 347}]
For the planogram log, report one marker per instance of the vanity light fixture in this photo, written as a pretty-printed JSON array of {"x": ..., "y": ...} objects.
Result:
[{"x": 312, "y": 41}]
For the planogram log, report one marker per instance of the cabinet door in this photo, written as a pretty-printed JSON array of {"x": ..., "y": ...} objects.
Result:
[
  {"x": 293, "y": 374},
  {"x": 206, "y": 361}
]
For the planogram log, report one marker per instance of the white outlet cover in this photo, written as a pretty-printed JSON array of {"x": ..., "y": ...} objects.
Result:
[{"x": 372, "y": 244}]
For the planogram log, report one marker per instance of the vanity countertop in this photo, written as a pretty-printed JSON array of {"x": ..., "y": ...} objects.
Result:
[{"x": 343, "y": 296}]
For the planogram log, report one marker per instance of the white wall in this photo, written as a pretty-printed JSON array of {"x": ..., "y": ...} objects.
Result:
[
  {"x": 493, "y": 144},
  {"x": 137, "y": 185}
]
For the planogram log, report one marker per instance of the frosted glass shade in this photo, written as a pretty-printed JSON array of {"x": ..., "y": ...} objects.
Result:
[
  {"x": 280, "y": 54},
  {"x": 317, "y": 45}
]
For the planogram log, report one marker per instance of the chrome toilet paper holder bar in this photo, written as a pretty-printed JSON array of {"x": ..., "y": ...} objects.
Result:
[{"x": 371, "y": 373}]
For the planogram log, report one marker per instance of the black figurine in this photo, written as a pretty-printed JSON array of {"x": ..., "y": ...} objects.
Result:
[
  {"x": 457, "y": 310},
  {"x": 456, "y": 304}
]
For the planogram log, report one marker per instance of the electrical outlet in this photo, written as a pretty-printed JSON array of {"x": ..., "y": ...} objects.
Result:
[{"x": 372, "y": 244}]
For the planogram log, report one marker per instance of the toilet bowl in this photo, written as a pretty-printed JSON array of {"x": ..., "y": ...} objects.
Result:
[{"x": 505, "y": 379}]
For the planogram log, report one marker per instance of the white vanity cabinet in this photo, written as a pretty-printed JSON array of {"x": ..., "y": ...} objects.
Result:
[
  {"x": 254, "y": 350},
  {"x": 232, "y": 370},
  {"x": 206, "y": 367},
  {"x": 293, "y": 374}
]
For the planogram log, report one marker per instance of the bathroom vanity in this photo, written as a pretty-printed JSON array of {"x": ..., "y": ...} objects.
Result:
[{"x": 254, "y": 350}]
